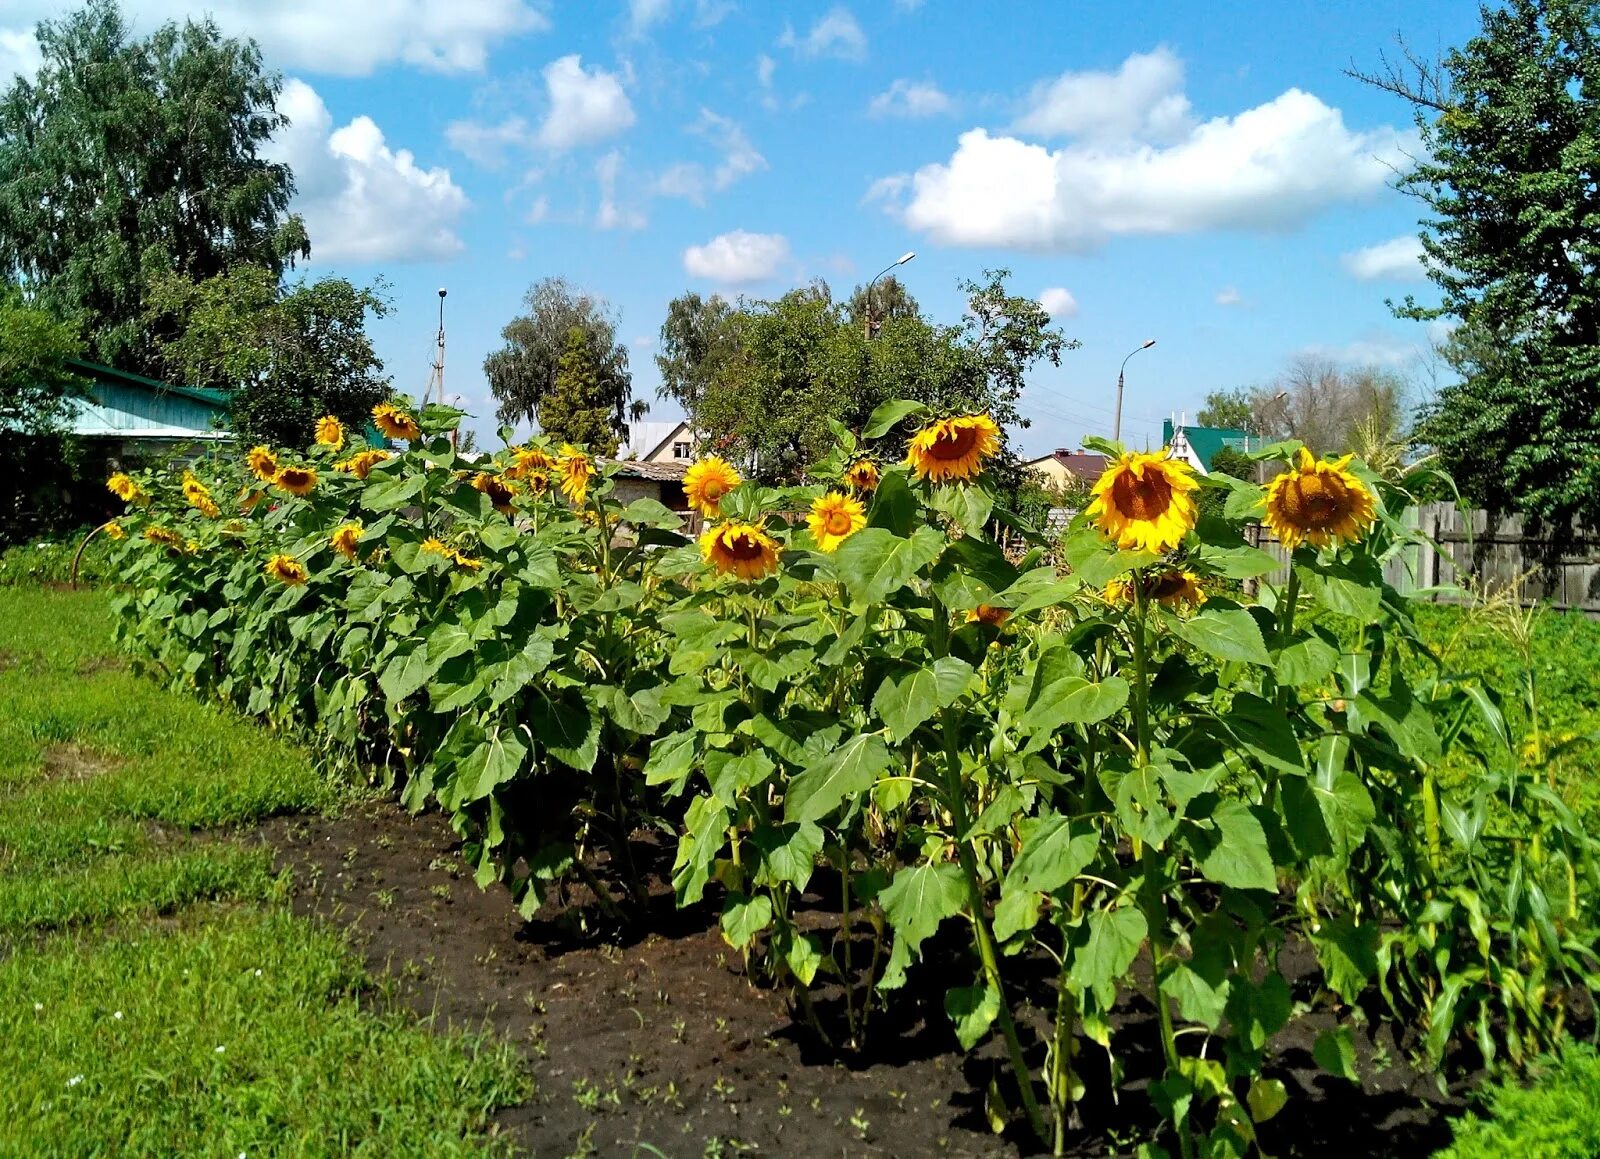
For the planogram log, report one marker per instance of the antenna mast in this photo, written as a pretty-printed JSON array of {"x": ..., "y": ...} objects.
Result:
[{"x": 436, "y": 378}]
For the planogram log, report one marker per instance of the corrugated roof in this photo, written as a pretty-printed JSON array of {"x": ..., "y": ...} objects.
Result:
[{"x": 656, "y": 472}]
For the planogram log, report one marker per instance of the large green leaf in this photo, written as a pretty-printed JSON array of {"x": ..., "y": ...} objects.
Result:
[
  {"x": 788, "y": 853},
  {"x": 1053, "y": 853},
  {"x": 874, "y": 563},
  {"x": 1075, "y": 702},
  {"x": 567, "y": 727},
  {"x": 919, "y": 898},
  {"x": 973, "y": 1010},
  {"x": 843, "y": 773},
  {"x": 1239, "y": 855},
  {"x": 906, "y": 700},
  {"x": 889, "y": 414},
  {"x": 705, "y": 826},
  {"x": 1114, "y": 938},
  {"x": 745, "y": 917},
  {"x": 1226, "y": 633},
  {"x": 406, "y": 673},
  {"x": 1265, "y": 731},
  {"x": 492, "y": 763}
]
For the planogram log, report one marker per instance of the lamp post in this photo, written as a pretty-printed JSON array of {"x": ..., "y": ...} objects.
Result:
[
  {"x": 900, "y": 261},
  {"x": 1116, "y": 428}
]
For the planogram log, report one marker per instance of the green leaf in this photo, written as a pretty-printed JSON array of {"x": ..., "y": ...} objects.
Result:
[
  {"x": 567, "y": 728},
  {"x": 918, "y": 899},
  {"x": 705, "y": 826},
  {"x": 1309, "y": 661},
  {"x": 904, "y": 702},
  {"x": 788, "y": 853},
  {"x": 1239, "y": 856},
  {"x": 893, "y": 507},
  {"x": 405, "y": 674},
  {"x": 734, "y": 773},
  {"x": 1052, "y": 854},
  {"x": 1114, "y": 938},
  {"x": 888, "y": 415},
  {"x": 671, "y": 758},
  {"x": 973, "y": 1009},
  {"x": 1348, "y": 952},
  {"x": 1076, "y": 702},
  {"x": 1266, "y": 1098},
  {"x": 1226, "y": 633},
  {"x": 1354, "y": 589},
  {"x": 491, "y": 764},
  {"x": 1265, "y": 731},
  {"x": 968, "y": 505},
  {"x": 648, "y": 512},
  {"x": 1238, "y": 562},
  {"x": 846, "y": 772},
  {"x": 874, "y": 563},
  {"x": 388, "y": 493},
  {"x": 745, "y": 917},
  {"x": 1198, "y": 1000},
  {"x": 1015, "y": 913},
  {"x": 1336, "y": 1054}
]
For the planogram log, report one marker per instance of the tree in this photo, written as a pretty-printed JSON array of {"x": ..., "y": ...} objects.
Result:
[
  {"x": 523, "y": 371},
  {"x": 1229, "y": 409},
  {"x": 1510, "y": 124},
  {"x": 1010, "y": 335},
  {"x": 890, "y": 300},
  {"x": 125, "y": 159},
  {"x": 579, "y": 408},
  {"x": 698, "y": 339},
  {"x": 288, "y": 356},
  {"x": 36, "y": 392}
]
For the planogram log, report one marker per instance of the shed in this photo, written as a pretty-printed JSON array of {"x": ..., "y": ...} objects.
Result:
[{"x": 136, "y": 416}]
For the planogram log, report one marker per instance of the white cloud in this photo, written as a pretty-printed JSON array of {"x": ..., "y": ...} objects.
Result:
[
  {"x": 710, "y": 13},
  {"x": 643, "y": 14},
  {"x": 740, "y": 159},
  {"x": 350, "y": 38},
  {"x": 1142, "y": 99},
  {"x": 1384, "y": 349},
  {"x": 737, "y": 258},
  {"x": 610, "y": 215},
  {"x": 362, "y": 200},
  {"x": 906, "y": 98},
  {"x": 908, "y": 5},
  {"x": 836, "y": 34},
  {"x": 19, "y": 55},
  {"x": 1268, "y": 168},
  {"x": 585, "y": 107},
  {"x": 1397, "y": 260},
  {"x": 1059, "y": 303},
  {"x": 488, "y": 144},
  {"x": 1228, "y": 296}
]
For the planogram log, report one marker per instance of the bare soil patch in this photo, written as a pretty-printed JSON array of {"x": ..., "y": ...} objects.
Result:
[{"x": 76, "y": 762}]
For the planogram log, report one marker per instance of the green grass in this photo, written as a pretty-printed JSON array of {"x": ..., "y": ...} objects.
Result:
[
  {"x": 126, "y": 886},
  {"x": 1556, "y": 1116}
]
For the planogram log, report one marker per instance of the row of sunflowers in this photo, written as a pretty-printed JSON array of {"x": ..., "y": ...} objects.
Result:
[{"x": 847, "y": 689}]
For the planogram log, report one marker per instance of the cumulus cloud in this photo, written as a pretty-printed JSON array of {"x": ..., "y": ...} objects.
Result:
[
  {"x": 610, "y": 215},
  {"x": 585, "y": 107},
  {"x": 1397, "y": 260},
  {"x": 1228, "y": 296},
  {"x": 1267, "y": 168},
  {"x": 363, "y": 200},
  {"x": 351, "y": 38},
  {"x": 1059, "y": 303},
  {"x": 1142, "y": 99},
  {"x": 737, "y": 258},
  {"x": 488, "y": 144},
  {"x": 906, "y": 98},
  {"x": 692, "y": 181},
  {"x": 835, "y": 34}
]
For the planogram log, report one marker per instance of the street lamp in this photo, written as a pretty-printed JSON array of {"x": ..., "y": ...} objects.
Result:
[
  {"x": 1116, "y": 429},
  {"x": 899, "y": 261}
]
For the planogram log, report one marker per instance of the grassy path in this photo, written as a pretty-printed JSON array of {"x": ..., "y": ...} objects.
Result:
[{"x": 156, "y": 995}]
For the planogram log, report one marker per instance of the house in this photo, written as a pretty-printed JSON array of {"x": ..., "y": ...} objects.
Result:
[
  {"x": 1062, "y": 468},
  {"x": 659, "y": 443},
  {"x": 1196, "y": 445},
  {"x": 644, "y": 479},
  {"x": 129, "y": 416}
]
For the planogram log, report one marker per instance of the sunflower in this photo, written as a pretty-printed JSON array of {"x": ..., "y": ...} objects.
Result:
[
  {"x": 953, "y": 448},
  {"x": 575, "y": 469},
  {"x": 199, "y": 497},
  {"x": 740, "y": 549},
  {"x": 330, "y": 432},
  {"x": 248, "y": 498},
  {"x": 164, "y": 537},
  {"x": 296, "y": 480},
  {"x": 863, "y": 475},
  {"x": 345, "y": 539},
  {"x": 360, "y": 463},
  {"x": 124, "y": 488},
  {"x": 1172, "y": 589},
  {"x": 263, "y": 463},
  {"x": 537, "y": 482},
  {"x": 835, "y": 518},
  {"x": 395, "y": 423},
  {"x": 526, "y": 460},
  {"x": 436, "y": 546},
  {"x": 287, "y": 570},
  {"x": 705, "y": 484},
  {"x": 500, "y": 492},
  {"x": 1143, "y": 501},
  {"x": 988, "y": 614},
  {"x": 113, "y": 530},
  {"x": 1319, "y": 503},
  {"x": 440, "y": 547}
]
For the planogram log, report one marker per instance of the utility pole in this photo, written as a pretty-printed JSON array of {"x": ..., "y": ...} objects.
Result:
[
  {"x": 899, "y": 261},
  {"x": 1116, "y": 429},
  {"x": 436, "y": 378}
]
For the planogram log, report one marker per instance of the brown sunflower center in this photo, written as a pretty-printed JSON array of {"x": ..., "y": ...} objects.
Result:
[
  {"x": 949, "y": 445},
  {"x": 1315, "y": 501},
  {"x": 1144, "y": 499},
  {"x": 741, "y": 546},
  {"x": 1167, "y": 586},
  {"x": 838, "y": 522},
  {"x": 714, "y": 489}
]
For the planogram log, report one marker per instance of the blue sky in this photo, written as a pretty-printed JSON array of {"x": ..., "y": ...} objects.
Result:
[{"x": 1203, "y": 174}]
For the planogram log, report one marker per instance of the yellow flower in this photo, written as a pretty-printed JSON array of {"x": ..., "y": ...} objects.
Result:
[
  {"x": 437, "y": 546},
  {"x": 576, "y": 469},
  {"x": 113, "y": 530},
  {"x": 1143, "y": 501},
  {"x": 537, "y": 482},
  {"x": 740, "y": 549},
  {"x": 466, "y": 561},
  {"x": 199, "y": 497},
  {"x": 395, "y": 423},
  {"x": 1318, "y": 503},
  {"x": 499, "y": 492},
  {"x": 527, "y": 460},
  {"x": 360, "y": 463},
  {"x": 1172, "y": 589},
  {"x": 707, "y": 481},
  {"x": 988, "y": 614},
  {"x": 863, "y": 475},
  {"x": 835, "y": 518},
  {"x": 440, "y": 547},
  {"x": 164, "y": 537},
  {"x": 953, "y": 448},
  {"x": 296, "y": 480},
  {"x": 345, "y": 539},
  {"x": 263, "y": 463},
  {"x": 124, "y": 488},
  {"x": 330, "y": 432},
  {"x": 287, "y": 570},
  {"x": 248, "y": 498}
]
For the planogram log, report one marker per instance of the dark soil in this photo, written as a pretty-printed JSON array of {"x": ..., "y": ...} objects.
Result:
[{"x": 653, "y": 1042}]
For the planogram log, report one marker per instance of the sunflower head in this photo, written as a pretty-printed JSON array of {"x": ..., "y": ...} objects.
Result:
[
  {"x": 330, "y": 432},
  {"x": 1175, "y": 589},
  {"x": 296, "y": 480},
  {"x": 287, "y": 570},
  {"x": 441, "y": 548},
  {"x": 124, "y": 488},
  {"x": 536, "y": 481},
  {"x": 263, "y": 463},
  {"x": 199, "y": 497},
  {"x": 740, "y": 549},
  {"x": 863, "y": 475},
  {"x": 989, "y": 614},
  {"x": 526, "y": 460},
  {"x": 165, "y": 537},
  {"x": 575, "y": 469},
  {"x": 835, "y": 518},
  {"x": 395, "y": 423},
  {"x": 707, "y": 482},
  {"x": 1144, "y": 502},
  {"x": 1319, "y": 503},
  {"x": 249, "y": 497},
  {"x": 362, "y": 462},
  {"x": 953, "y": 448},
  {"x": 346, "y": 539},
  {"x": 113, "y": 530},
  {"x": 499, "y": 491}
]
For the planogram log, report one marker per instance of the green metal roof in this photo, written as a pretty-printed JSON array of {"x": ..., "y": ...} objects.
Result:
[
  {"x": 1207, "y": 441},
  {"x": 102, "y": 373}
]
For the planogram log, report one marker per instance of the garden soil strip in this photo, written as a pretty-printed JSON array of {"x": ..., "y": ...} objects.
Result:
[{"x": 659, "y": 1040}]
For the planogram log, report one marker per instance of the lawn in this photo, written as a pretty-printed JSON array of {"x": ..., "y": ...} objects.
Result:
[{"x": 156, "y": 994}]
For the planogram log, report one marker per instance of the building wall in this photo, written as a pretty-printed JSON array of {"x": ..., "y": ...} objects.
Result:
[
  {"x": 664, "y": 454},
  {"x": 133, "y": 412},
  {"x": 1053, "y": 470}
]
